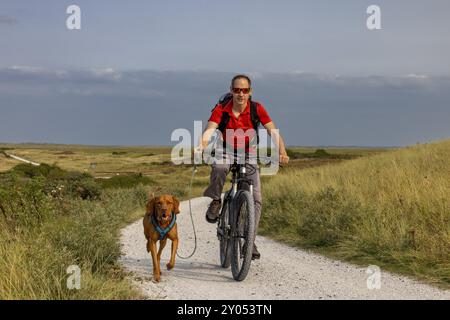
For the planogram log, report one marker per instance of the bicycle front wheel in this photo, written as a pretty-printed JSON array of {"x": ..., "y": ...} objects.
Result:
[{"x": 243, "y": 234}]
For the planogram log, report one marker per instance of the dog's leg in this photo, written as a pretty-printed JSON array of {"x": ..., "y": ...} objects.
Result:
[
  {"x": 171, "y": 263},
  {"x": 156, "y": 267},
  {"x": 162, "y": 244}
]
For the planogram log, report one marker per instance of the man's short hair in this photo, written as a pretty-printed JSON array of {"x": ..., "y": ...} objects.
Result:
[{"x": 241, "y": 76}]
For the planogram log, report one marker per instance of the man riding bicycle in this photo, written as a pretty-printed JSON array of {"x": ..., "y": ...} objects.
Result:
[{"x": 240, "y": 113}]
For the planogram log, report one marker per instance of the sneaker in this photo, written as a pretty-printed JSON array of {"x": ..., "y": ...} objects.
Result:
[
  {"x": 213, "y": 211},
  {"x": 255, "y": 253}
]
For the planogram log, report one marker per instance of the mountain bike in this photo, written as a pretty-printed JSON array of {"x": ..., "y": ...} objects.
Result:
[{"x": 236, "y": 223}]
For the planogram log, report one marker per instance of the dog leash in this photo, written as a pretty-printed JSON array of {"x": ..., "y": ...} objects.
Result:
[{"x": 194, "y": 170}]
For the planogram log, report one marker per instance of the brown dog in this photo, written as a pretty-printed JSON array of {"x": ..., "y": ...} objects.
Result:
[{"x": 163, "y": 209}]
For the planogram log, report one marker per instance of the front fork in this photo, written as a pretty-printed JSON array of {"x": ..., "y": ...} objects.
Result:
[
  {"x": 235, "y": 183},
  {"x": 235, "y": 188}
]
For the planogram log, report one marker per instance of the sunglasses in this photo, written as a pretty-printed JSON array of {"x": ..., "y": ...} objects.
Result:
[{"x": 239, "y": 90}]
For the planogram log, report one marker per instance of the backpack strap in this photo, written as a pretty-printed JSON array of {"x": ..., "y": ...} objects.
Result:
[
  {"x": 254, "y": 115},
  {"x": 224, "y": 121}
]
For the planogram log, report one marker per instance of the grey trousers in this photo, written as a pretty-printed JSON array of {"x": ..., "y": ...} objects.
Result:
[{"x": 218, "y": 178}]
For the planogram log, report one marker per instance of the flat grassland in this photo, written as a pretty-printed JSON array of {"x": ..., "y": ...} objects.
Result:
[
  {"x": 153, "y": 162},
  {"x": 101, "y": 161}
]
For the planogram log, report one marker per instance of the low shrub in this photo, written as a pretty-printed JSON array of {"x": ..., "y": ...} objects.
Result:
[{"x": 125, "y": 181}]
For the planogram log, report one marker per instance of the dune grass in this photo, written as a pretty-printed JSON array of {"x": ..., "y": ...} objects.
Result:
[
  {"x": 43, "y": 233},
  {"x": 390, "y": 209},
  {"x": 41, "y": 237}
]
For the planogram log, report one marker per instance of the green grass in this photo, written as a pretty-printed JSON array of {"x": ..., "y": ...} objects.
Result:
[
  {"x": 386, "y": 208},
  {"x": 390, "y": 209},
  {"x": 126, "y": 181},
  {"x": 44, "y": 237},
  {"x": 96, "y": 160},
  {"x": 43, "y": 233}
]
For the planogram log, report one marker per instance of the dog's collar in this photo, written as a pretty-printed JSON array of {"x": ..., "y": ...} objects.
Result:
[{"x": 163, "y": 232}]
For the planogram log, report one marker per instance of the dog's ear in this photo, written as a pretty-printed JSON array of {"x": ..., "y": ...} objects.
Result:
[
  {"x": 176, "y": 205},
  {"x": 151, "y": 206}
]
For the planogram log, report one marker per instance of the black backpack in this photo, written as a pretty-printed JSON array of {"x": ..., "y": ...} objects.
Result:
[{"x": 223, "y": 101}]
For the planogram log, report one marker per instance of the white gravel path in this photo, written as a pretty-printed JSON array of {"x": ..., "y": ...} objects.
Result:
[{"x": 283, "y": 272}]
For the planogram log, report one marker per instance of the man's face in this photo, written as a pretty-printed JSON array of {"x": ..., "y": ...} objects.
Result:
[{"x": 241, "y": 92}]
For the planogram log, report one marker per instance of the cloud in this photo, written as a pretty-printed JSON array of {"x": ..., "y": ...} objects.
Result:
[
  {"x": 188, "y": 85},
  {"x": 417, "y": 76},
  {"x": 36, "y": 70},
  {"x": 7, "y": 20},
  {"x": 107, "y": 73},
  {"x": 109, "y": 106}
]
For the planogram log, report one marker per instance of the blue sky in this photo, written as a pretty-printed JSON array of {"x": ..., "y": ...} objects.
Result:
[{"x": 324, "y": 77}]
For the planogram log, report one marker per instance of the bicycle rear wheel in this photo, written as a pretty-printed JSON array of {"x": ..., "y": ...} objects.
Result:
[
  {"x": 243, "y": 234},
  {"x": 223, "y": 233}
]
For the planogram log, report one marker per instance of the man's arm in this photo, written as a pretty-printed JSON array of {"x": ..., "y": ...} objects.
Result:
[
  {"x": 276, "y": 136},
  {"x": 209, "y": 131}
]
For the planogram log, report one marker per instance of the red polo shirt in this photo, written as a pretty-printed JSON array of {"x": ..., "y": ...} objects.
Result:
[{"x": 243, "y": 122}]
